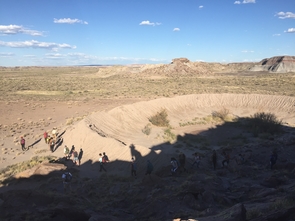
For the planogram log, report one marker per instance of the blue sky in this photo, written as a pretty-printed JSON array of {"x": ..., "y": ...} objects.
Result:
[{"x": 76, "y": 32}]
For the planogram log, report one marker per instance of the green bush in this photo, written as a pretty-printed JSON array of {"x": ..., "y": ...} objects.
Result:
[
  {"x": 169, "y": 135},
  {"x": 265, "y": 123},
  {"x": 160, "y": 119},
  {"x": 147, "y": 129}
]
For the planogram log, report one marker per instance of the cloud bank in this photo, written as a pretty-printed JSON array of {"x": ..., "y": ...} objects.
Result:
[
  {"x": 284, "y": 15},
  {"x": 18, "y": 29},
  {"x": 36, "y": 44}
]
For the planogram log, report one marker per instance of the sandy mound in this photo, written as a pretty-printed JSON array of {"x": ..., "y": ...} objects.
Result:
[{"x": 113, "y": 131}]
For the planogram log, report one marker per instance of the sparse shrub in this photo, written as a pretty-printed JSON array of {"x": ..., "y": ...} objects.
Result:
[
  {"x": 72, "y": 120},
  {"x": 178, "y": 146},
  {"x": 282, "y": 204},
  {"x": 147, "y": 129},
  {"x": 265, "y": 136},
  {"x": 160, "y": 119},
  {"x": 253, "y": 213},
  {"x": 187, "y": 124},
  {"x": 264, "y": 123},
  {"x": 194, "y": 121},
  {"x": 41, "y": 151},
  {"x": 208, "y": 119},
  {"x": 168, "y": 135},
  {"x": 221, "y": 114}
]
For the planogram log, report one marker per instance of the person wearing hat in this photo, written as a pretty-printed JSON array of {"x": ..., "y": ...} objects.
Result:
[{"x": 54, "y": 133}]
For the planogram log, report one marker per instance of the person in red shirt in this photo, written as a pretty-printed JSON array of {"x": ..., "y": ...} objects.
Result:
[
  {"x": 23, "y": 143},
  {"x": 45, "y": 136}
]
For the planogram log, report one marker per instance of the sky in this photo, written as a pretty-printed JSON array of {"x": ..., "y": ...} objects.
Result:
[{"x": 120, "y": 32}]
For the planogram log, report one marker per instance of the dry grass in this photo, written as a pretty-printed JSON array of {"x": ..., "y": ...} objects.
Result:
[
  {"x": 80, "y": 83},
  {"x": 19, "y": 167}
]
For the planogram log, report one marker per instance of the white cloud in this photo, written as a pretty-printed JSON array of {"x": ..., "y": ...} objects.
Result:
[
  {"x": 54, "y": 55},
  {"x": 69, "y": 21},
  {"x": 201, "y": 6},
  {"x": 276, "y": 35},
  {"x": 290, "y": 30},
  {"x": 248, "y": 1},
  {"x": 35, "y": 44},
  {"x": 244, "y": 2},
  {"x": 30, "y": 56},
  {"x": 16, "y": 29},
  {"x": 81, "y": 58},
  {"x": 149, "y": 23},
  {"x": 176, "y": 29},
  {"x": 7, "y": 54},
  {"x": 283, "y": 15},
  {"x": 247, "y": 51}
]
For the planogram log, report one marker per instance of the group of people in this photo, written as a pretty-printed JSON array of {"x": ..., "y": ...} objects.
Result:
[
  {"x": 73, "y": 155},
  {"x": 133, "y": 165},
  {"x": 177, "y": 165},
  {"x": 51, "y": 140},
  {"x": 103, "y": 159}
]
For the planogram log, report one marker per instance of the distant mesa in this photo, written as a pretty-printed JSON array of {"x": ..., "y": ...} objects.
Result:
[
  {"x": 279, "y": 64},
  {"x": 180, "y": 60}
]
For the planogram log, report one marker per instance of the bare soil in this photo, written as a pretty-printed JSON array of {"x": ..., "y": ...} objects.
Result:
[{"x": 111, "y": 119}]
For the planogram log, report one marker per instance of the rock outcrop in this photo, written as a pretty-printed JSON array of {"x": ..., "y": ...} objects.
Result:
[{"x": 280, "y": 64}]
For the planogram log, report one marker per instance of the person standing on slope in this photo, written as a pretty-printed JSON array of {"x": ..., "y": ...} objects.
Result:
[
  {"x": 23, "y": 143},
  {"x": 101, "y": 167},
  {"x": 214, "y": 159},
  {"x": 149, "y": 168},
  {"x": 174, "y": 165},
  {"x": 133, "y": 167}
]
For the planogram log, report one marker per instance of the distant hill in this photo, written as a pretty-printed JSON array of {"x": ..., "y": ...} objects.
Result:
[{"x": 280, "y": 64}]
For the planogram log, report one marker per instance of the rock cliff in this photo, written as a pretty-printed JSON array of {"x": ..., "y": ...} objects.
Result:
[{"x": 280, "y": 64}]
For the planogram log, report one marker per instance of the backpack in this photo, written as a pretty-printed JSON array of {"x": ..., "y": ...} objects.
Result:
[
  {"x": 175, "y": 163},
  {"x": 75, "y": 154},
  {"x": 68, "y": 177},
  {"x": 104, "y": 160}
]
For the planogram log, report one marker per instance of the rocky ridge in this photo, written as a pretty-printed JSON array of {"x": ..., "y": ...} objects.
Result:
[{"x": 280, "y": 64}]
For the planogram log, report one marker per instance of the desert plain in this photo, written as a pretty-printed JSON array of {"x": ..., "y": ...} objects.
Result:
[{"x": 110, "y": 109}]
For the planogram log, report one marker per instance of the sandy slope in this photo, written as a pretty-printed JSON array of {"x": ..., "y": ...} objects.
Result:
[{"x": 123, "y": 126}]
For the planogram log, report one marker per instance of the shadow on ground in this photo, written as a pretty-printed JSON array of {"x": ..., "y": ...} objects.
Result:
[{"x": 245, "y": 189}]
